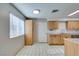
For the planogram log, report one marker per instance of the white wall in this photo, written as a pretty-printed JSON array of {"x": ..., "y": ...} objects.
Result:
[
  {"x": 62, "y": 25},
  {"x": 8, "y": 46}
]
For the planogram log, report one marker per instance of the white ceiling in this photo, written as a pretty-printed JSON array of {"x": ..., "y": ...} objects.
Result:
[{"x": 46, "y": 8}]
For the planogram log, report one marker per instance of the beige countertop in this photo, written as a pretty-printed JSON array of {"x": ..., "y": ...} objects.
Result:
[{"x": 73, "y": 40}]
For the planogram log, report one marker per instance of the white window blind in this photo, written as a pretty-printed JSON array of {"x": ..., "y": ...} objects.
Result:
[{"x": 16, "y": 26}]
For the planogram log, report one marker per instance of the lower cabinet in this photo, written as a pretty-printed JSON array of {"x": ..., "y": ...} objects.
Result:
[{"x": 57, "y": 39}]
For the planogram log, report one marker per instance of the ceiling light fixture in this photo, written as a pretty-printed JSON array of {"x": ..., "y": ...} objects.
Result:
[
  {"x": 36, "y": 11},
  {"x": 73, "y": 13}
]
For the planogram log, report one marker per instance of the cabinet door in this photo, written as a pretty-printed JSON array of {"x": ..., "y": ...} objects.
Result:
[
  {"x": 55, "y": 39},
  {"x": 73, "y": 25},
  {"x": 62, "y": 38},
  {"x": 52, "y": 25},
  {"x": 28, "y": 32},
  {"x": 50, "y": 40},
  {"x": 59, "y": 39}
]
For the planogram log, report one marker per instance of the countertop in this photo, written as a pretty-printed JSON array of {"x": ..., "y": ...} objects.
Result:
[
  {"x": 63, "y": 32},
  {"x": 73, "y": 40}
]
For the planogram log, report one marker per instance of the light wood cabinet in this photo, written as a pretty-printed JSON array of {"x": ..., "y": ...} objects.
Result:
[
  {"x": 28, "y": 32},
  {"x": 71, "y": 48},
  {"x": 72, "y": 25},
  {"x": 57, "y": 39},
  {"x": 52, "y": 25}
]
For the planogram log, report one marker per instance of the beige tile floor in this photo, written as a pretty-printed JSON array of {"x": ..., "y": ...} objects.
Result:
[{"x": 42, "y": 49}]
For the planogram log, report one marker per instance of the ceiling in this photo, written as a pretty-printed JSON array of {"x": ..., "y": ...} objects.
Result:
[{"x": 46, "y": 9}]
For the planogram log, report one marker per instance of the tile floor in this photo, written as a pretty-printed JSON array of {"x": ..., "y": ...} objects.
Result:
[{"x": 42, "y": 49}]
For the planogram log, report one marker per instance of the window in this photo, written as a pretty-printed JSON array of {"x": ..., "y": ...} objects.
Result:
[{"x": 16, "y": 26}]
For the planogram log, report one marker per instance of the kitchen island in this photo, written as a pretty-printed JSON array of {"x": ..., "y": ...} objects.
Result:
[{"x": 71, "y": 46}]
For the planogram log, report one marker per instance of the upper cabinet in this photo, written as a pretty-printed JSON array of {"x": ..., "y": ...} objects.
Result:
[
  {"x": 52, "y": 25},
  {"x": 72, "y": 25}
]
